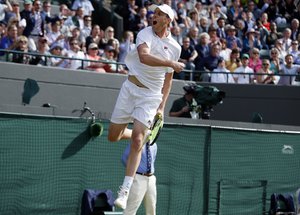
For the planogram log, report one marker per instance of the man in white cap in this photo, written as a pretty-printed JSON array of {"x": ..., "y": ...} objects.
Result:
[{"x": 144, "y": 94}]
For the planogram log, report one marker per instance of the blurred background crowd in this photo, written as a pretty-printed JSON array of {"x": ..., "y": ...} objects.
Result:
[{"x": 220, "y": 39}]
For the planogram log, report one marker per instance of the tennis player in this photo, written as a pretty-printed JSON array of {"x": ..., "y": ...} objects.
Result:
[{"x": 144, "y": 94}]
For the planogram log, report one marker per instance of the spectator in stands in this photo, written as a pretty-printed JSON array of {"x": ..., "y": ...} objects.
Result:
[
  {"x": 202, "y": 49},
  {"x": 183, "y": 106},
  {"x": 110, "y": 55},
  {"x": 282, "y": 52},
  {"x": 21, "y": 45},
  {"x": 13, "y": 21},
  {"x": 225, "y": 52},
  {"x": 31, "y": 43},
  {"x": 234, "y": 61},
  {"x": 8, "y": 41},
  {"x": 109, "y": 34},
  {"x": 265, "y": 21},
  {"x": 295, "y": 31},
  {"x": 15, "y": 12},
  {"x": 297, "y": 15},
  {"x": 294, "y": 51},
  {"x": 242, "y": 74},
  {"x": 65, "y": 17},
  {"x": 75, "y": 52},
  {"x": 240, "y": 28},
  {"x": 129, "y": 11},
  {"x": 212, "y": 31},
  {"x": 286, "y": 39},
  {"x": 87, "y": 28},
  {"x": 275, "y": 12},
  {"x": 113, "y": 43},
  {"x": 27, "y": 9},
  {"x": 57, "y": 51},
  {"x": 141, "y": 20},
  {"x": 126, "y": 45},
  {"x": 216, "y": 13},
  {"x": 177, "y": 34},
  {"x": 288, "y": 69},
  {"x": 204, "y": 25},
  {"x": 221, "y": 74},
  {"x": 5, "y": 6},
  {"x": 288, "y": 10},
  {"x": 64, "y": 12},
  {"x": 95, "y": 37},
  {"x": 86, "y": 6},
  {"x": 192, "y": 20},
  {"x": 77, "y": 19},
  {"x": 250, "y": 22},
  {"x": 181, "y": 14},
  {"x": 93, "y": 54},
  {"x": 55, "y": 35},
  {"x": 47, "y": 8},
  {"x": 265, "y": 75},
  {"x": 202, "y": 11},
  {"x": 193, "y": 34},
  {"x": 210, "y": 62},
  {"x": 187, "y": 56},
  {"x": 275, "y": 61},
  {"x": 232, "y": 40},
  {"x": 46, "y": 12},
  {"x": 221, "y": 28},
  {"x": 35, "y": 22},
  {"x": 254, "y": 61},
  {"x": 253, "y": 8},
  {"x": 150, "y": 19},
  {"x": 251, "y": 41},
  {"x": 235, "y": 11},
  {"x": 263, "y": 33},
  {"x": 273, "y": 35},
  {"x": 75, "y": 32},
  {"x": 42, "y": 49}
]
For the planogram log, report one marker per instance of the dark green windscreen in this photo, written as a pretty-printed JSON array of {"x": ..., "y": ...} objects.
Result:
[{"x": 46, "y": 163}]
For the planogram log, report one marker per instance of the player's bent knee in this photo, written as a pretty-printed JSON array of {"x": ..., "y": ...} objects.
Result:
[
  {"x": 113, "y": 138},
  {"x": 136, "y": 145}
]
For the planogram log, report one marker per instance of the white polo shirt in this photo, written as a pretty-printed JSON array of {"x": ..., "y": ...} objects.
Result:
[
  {"x": 166, "y": 48},
  {"x": 243, "y": 78}
]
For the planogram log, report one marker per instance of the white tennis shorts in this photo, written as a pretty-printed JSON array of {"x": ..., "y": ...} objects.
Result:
[{"x": 135, "y": 103}]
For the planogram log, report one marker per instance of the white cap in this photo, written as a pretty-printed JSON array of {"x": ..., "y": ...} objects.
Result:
[
  {"x": 164, "y": 8},
  {"x": 22, "y": 23}
]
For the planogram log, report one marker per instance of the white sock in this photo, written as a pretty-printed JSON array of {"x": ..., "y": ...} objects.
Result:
[{"x": 127, "y": 182}]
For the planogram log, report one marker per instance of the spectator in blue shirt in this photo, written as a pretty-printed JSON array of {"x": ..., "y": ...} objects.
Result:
[
  {"x": 144, "y": 183},
  {"x": 7, "y": 41},
  {"x": 232, "y": 40}
]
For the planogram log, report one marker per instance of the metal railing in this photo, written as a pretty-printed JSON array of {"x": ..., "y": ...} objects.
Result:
[
  {"x": 7, "y": 55},
  {"x": 191, "y": 74}
]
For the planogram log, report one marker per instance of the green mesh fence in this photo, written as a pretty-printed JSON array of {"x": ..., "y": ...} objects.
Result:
[{"x": 46, "y": 163}]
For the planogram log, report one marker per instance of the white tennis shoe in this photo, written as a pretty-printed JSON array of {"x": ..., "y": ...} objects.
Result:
[{"x": 121, "y": 201}]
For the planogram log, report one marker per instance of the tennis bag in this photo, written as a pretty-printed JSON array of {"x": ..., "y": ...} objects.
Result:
[
  {"x": 96, "y": 201},
  {"x": 281, "y": 203}
]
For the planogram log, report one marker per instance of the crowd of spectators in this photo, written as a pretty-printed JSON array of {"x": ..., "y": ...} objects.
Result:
[
  {"x": 238, "y": 34},
  {"x": 69, "y": 39},
  {"x": 226, "y": 37}
]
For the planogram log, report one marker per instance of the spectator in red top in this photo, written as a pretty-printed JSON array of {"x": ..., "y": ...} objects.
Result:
[{"x": 265, "y": 22}]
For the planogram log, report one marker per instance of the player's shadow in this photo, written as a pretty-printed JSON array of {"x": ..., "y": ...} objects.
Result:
[{"x": 77, "y": 144}]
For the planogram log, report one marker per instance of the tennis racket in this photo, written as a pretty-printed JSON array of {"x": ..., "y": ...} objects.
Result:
[{"x": 155, "y": 129}]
